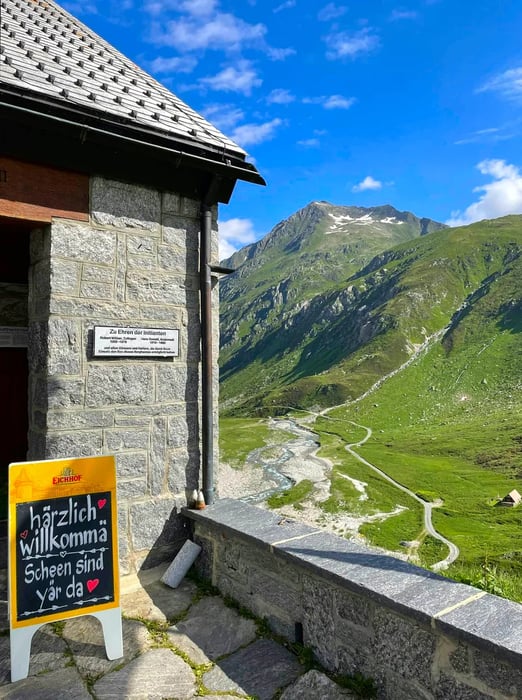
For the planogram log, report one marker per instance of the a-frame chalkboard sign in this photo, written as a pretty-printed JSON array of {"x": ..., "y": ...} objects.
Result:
[{"x": 63, "y": 550}]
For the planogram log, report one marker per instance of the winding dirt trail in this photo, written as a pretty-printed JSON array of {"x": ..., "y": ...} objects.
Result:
[{"x": 427, "y": 507}]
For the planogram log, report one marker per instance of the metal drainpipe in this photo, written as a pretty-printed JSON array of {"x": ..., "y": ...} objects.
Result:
[{"x": 207, "y": 403}]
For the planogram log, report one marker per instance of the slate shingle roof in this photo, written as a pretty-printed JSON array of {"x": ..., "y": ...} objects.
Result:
[{"x": 46, "y": 51}]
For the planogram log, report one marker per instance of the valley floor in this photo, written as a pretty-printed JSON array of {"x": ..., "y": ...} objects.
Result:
[{"x": 297, "y": 461}]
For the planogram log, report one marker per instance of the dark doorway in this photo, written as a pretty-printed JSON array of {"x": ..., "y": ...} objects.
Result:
[
  {"x": 14, "y": 271},
  {"x": 13, "y": 414}
]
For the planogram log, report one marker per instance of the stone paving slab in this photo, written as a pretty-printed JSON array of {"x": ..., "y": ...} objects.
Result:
[
  {"x": 65, "y": 684},
  {"x": 155, "y": 675},
  {"x": 246, "y": 670},
  {"x": 48, "y": 653},
  {"x": 84, "y": 636},
  {"x": 157, "y": 602},
  {"x": 215, "y": 628},
  {"x": 315, "y": 685}
]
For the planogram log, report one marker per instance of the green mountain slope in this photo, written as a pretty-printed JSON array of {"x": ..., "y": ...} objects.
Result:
[{"x": 451, "y": 288}]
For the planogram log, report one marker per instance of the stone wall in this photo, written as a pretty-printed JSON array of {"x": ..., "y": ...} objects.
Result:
[
  {"x": 135, "y": 263},
  {"x": 419, "y": 635}
]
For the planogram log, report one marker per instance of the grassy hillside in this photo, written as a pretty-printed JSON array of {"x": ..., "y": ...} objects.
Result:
[{"x": 341, "y": 343}]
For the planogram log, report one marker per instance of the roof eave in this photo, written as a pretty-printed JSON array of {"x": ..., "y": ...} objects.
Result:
[{"x": 94, "y": 123}]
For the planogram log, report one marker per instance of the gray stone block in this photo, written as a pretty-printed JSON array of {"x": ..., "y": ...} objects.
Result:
[
  {"x": 271, "y": 592},
  {"x": 98, "y": 273},
  {"x": 403, "y": 646},
  {"x": 158, "y": 457},
  {"x": 96, "y": 290},
  {"x": 154, "y": 287},
  {"x": 39, "y": 243},
  {"x": 215, "y": 628},
  {"x": 183, "y": 470},
  {"x": 178, "y": 430},
  {"x": 132, "y": 489},
  {"x": 179, "y": 231},
  {"x": 315, "y": 685},
  {"x": 156, "y": 675},
  {"x": 98, "y": 311},
  {"x": 173, "y": 317},
  {"x": 63, "y": 346},
  {"x": 497, "y": 674},
  {"x": 176, "y": 259},
  {"x": 110, "y": 384},
  {"x": 319, "y": 627},
  {"x": 155, "y": 522},
  {"x": 84, "y": 636},
  {"x": 78, "y": 419},
  {"x": 81, "y": 242},
  {"x": 142, "y": 262},
  {"x": 130, "y": 465},
  {"x": 65, "y": 277},
  {"x": 449, "y": 687},
  {"x": 84, "y": 443},
  {"x": 60, "y": 392},
  {"x": 124, "y": 206},
  {"x": 175, "y": 204},
  {"x": 48, "y": 653},
  {"x": 244, "y": 671},
  {"x": 56, "y": 685},
  {"x": 118, "y": 439},
  {"x": 175, "y": 382},
  {"x": 140, "y": 244}
]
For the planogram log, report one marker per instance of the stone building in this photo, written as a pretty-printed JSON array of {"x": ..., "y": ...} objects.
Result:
[{"x": 109, "y": 187}]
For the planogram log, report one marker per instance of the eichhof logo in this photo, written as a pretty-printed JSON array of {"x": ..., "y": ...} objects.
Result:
[{"x": 66, "y": 477}]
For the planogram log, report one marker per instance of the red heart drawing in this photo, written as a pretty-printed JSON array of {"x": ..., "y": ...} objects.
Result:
[
  {"x": 91, "y": 584},
  {"x": 102, "y": 502},
  {"x": 24, "y": 534}
]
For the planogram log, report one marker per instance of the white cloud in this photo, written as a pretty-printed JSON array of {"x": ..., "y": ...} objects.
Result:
[
  {"x": 234, "y": 234},
  {"x": 198, "y": 7},
  {"x": 350, "y": 44},
  {"x": 331, "y": 11},
  {"x": 280, "y": 97},
  {"x": 369, "y": 183},
  {"x": 251, "y": 134},
  {"x": 309, "y": 143},
  {"x": 500, "y": 197},
  {"x": 279, "y": 54},
  {"x": 240, "y": 78},
  {"x": 338, "y": 102},
  {"x": 285, "y": 6},
  {"x": 175, "y": 64},
  {"x": 223, "y": 116},
  {"x": 398, "y": 14},
  {"x": 492, "y": 134},
  {"x": 508, "y": 84},
  {"x": 330, "y": 101},
  {"x": 222, "y": 31}
]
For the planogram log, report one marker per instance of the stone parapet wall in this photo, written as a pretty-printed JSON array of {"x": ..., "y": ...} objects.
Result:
[
  {"x": 419, "y": 635},
  {"x": 134, "y": 263}
]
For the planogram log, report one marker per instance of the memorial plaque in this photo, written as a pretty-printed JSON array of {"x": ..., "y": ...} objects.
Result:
[{"x": 111, "y": 341}]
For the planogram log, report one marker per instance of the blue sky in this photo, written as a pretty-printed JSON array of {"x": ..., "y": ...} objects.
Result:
[{"x": 417, "y": 103}]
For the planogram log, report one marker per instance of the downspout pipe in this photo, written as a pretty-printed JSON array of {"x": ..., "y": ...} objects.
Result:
[{"x": 207, "y": 399}]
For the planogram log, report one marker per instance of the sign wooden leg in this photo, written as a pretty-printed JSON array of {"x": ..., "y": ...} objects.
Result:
[
  {"x": 21, "y": 639},
  {"x": 112, "y": 632}
]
